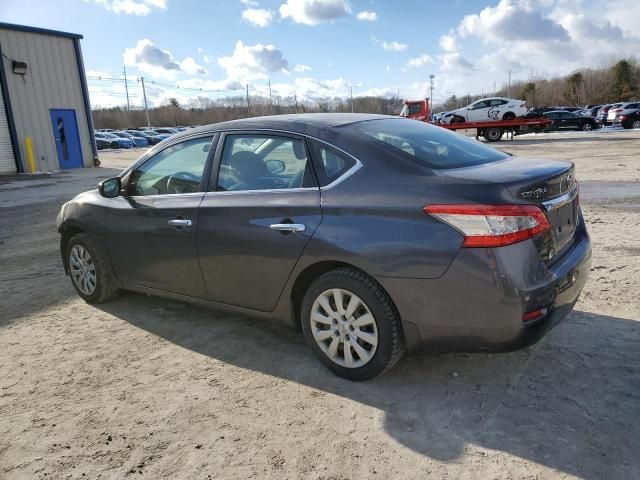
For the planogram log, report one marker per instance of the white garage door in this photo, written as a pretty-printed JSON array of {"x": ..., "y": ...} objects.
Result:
[{"x": 7, "y": 161}]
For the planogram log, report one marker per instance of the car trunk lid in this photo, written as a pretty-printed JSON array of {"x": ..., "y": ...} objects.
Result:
[{"x": 550, "y": 184}]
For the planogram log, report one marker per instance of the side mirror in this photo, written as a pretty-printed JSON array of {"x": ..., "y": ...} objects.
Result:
[
  {"x": 110, "y": 188},
  {"x": 275, "y": 166}
]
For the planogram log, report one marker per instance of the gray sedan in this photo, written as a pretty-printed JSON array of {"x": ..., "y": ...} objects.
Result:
[{"x": 375, "y": 235}]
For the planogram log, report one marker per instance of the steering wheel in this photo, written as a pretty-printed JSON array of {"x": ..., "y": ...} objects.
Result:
[{"x": 175, "y": 185}]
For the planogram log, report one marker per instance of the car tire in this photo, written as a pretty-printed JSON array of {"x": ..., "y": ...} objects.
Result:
[
  {"x": 635, "y": 124},
  {"x": 587, "y": 127},
  {"x": 509, "y": 116},
  {"x": 82, "y": 255},
  {"x": 493, "y": 134},
  {"x": 374, "y": 319}
]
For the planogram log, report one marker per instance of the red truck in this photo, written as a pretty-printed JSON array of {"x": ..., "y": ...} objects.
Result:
[{"x": 492, "y": 131}]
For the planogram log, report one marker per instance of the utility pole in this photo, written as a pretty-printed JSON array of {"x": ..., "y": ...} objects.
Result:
[
  {"x": 295, "y": 99},
  {"x": 146, "y": 107},
  {"x": 494, "y": 88},
  {"x": 270, "y": 98},
  {"x": 509, "y": 85},
  {"x": 126, "y": 88},
  {"x": 431, "y": 77},
  {"x": 248, "y": 106},
  {"x": 351, "y": 95}
]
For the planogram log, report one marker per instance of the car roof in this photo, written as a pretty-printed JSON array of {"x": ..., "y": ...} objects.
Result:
[
  {"x": 302, "y": 123},
  {"x": 558, "y": 111}
]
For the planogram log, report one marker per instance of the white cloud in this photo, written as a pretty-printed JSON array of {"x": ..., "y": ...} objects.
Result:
[
  {"x": 367, "y": 16},
  {"x": 149, "y": 58},
  {"x": 132, "y": 7},
  {"x": 300, "y": 68},
  {"x": 313, "y": 12},
  {"x": 252, "y": 62},
  {"x": 421, "y": 61},
  {"x": 448, "y": 42},
  {"x": 258, "y": 17},
  {"x": 455, "y": 62},
  {"x": 312, "y": 89},
  {"x": 249, "y": 3},
  {"x": 390, "y": 46},
  {"x": 511, "y": 21}
]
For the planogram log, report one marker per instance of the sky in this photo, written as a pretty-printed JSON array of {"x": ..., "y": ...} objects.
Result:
[{"x": 319, "y": 49}]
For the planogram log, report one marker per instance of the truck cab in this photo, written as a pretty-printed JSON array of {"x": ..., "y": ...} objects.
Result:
[{"x": 416, "y": 110}]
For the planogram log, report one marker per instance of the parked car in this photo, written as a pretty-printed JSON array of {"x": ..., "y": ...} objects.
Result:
[
  {"x": 624, "y": 108},
  {"x": 602, "y": 115},
  {"x": 138, "y": 141},
  {"x": 487, "y": 109},
  {"x": 563, "y": 120},
  {"x": 151, "y": 139},
  {"x": 109, "y": 141},
  {"x": 102, "y": 142},
  {"x": 593, "y": 110},
  {"x": 116, "y": 141},
  {"x": 289, "y": 225},
  {"x": 166, "y": 131},
  {"x": 628, "y": 120}
]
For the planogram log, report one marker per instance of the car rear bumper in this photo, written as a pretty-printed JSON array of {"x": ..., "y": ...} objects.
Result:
[{"x": 478, "y": 304}]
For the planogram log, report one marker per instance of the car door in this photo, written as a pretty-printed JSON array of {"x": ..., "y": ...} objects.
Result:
[
  {"x": 262, "y": 207},
  {"x": 496, "y": 109},
  {"x": 152, "y": 227},
  {"x": 477, "y": 112}
]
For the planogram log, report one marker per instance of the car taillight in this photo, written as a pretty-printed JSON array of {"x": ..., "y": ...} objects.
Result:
[
  {"x": 622, "y": 117},
  {"x": 492, "y": 225}
]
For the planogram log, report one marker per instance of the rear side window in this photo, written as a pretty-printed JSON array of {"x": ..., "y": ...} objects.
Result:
[
  {"x": 429, "y": 145},
  {"x": 330, "y": 163}
]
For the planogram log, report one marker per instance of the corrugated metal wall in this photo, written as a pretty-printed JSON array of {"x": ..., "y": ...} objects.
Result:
[{"x": 52, "y": 81}]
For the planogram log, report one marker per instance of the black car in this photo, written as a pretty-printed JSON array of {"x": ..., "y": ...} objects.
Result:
[
  {"x": 372, "y": 234},
  {"x": 152, "y": 139},
  {"x": 563, "y": 120},
  {"x": 628, "y": 120},
  {"x": 102, "y": 143}
]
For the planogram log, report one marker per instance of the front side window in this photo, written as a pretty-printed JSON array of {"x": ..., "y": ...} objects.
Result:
[
  {"x": 263, "y": 162},
  {"x": 478, "y": 105},
  {"x": 426, "y": 144},
  {"x": 176, "y": 169}
]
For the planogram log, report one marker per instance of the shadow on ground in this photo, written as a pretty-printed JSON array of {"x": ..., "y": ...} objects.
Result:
[{"x": 571, "y": 403}]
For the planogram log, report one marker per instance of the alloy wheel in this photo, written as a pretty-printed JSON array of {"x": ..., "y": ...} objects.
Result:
[
  {"x": 636, "y": 124},
  {"x": 587, "y": 127},
  {"x": 344, "y": 328},
  {"x": 82, "y": 269}
]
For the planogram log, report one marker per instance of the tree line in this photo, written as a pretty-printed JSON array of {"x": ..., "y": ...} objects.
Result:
[{"x": 620, "y": 81}]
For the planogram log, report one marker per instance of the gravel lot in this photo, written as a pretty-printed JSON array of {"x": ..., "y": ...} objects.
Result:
[{"x": 145, "y": 387}]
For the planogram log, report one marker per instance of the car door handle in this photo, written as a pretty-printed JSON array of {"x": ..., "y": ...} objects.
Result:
[
  {"x": 180, "y": 222},
  {"x": 287, "y": 227}
]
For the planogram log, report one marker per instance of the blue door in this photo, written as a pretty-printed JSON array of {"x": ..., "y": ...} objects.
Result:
[{"x": 65, "y": 133}]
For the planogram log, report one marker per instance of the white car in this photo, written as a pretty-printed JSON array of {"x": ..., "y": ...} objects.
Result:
[{"x": 488, "y": 109}]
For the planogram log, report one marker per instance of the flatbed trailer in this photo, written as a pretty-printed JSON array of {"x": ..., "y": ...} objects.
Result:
[{"x": 494, "y": 130}]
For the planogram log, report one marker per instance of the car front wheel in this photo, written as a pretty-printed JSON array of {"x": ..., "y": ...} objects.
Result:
[
  {"x": 351, "y": 324},
  {"x": 90, "y": 270},
  {"x": 587, "y": 127}
]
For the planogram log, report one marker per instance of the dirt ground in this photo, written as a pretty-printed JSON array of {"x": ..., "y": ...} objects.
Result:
[{"x": 149, "y": 388}]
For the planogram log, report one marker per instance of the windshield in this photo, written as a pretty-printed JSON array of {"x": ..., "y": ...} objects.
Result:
[{"x": 433, "y": 146}]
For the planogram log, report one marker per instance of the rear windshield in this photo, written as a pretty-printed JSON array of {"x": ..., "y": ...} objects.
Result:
[{"x": 433, "y": 146}]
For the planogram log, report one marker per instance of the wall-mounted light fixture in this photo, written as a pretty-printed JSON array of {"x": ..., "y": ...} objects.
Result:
[{"x": 19, "y": 68}]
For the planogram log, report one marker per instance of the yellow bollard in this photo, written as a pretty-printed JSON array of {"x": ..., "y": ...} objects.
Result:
[{"x": 31, "y": 165}]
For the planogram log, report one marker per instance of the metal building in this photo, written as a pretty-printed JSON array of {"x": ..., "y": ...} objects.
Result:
[{"x": 45, "y": 115}]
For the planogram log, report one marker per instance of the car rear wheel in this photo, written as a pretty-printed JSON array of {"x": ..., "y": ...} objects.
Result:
[
  {"x": 90, "y": 270},
  {"x": 351, "y": 324},
  {"x": 587, "y": 127},
  {"x": 493, "y": 134},
  {"x": 509, "y": 116}
]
